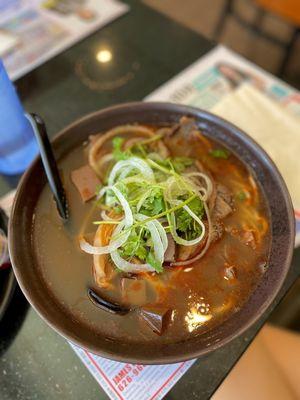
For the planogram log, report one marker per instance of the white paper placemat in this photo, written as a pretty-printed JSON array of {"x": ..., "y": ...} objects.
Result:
[{"x": 133, "y": 381}]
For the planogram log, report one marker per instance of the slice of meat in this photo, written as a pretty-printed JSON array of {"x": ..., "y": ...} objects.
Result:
[
  {"x": 168, "y": 131},
  {"x": 223, "y": 203},
  {"x": 162, "y": 149},
  {"x": 156, "y": 317},
  {"x": 186, "y": 127},
  {"x": 245, "y": 236},
  {"x": 86, "y": 182},
  {"x": 134, "y": 291},
  {"x": 187, "y": 252},
  {"x": 223, "y": 192},
  {"x": 170, "y": 252}
]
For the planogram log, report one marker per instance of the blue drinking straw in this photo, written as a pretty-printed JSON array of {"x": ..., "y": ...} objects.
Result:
[{"x": 18, "y": 146}]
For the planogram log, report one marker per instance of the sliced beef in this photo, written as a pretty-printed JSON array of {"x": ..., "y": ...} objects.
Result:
[
  {"x": 187, "y": 252},
  {"x": 223, "y": 203},
  {"x": 171, "y": 249},
  {"x": 86, "y": 182},
  {"x": 156, "y": 317},
  {"x": 186, "y": 127},
  {"x": 162, "y": 149}
]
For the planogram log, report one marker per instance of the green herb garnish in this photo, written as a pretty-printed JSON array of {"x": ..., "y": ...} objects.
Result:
[
  {"x": 185, "y": 224},
  {"x": 118, "y": 153},
  {"x": 151, "y": 260},
  {"x": 135, "y": 246},
  {"x": 241, "y": 196},
  {"x": 154, "y": 203},
  {"x": 220, "y": 153}
]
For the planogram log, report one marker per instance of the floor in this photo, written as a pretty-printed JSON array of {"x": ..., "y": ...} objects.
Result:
[{"x": 203, "y": 15}]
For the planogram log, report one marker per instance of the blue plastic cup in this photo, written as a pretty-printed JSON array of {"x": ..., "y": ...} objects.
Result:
[{"x": 18, "y": 146}]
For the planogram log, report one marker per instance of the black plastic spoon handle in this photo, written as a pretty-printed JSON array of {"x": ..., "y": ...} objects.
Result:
[
  {"x": 106, "y": 305},
  {"x": 50, "y": 164}
]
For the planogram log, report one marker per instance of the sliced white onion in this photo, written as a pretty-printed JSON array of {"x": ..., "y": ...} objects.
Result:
[
  {"x": 125, "y": 171},
  {"x": 142, "y": 199},
  {"x": 113, "y": 245},
  {"x": 206, "y": 178},
  {"x": 126, "y": 222},
  {"x": 104, "y": 216},
  {"x": 127, "y": 266},
  {"x": 207, "y": 244},
  {"x": 171, "y": 184},
  {"x": 159, "y": 240},
  {"x": 135, "y": 163},
  {"x": 128, "y": 217},
  {"x": 162, "y": 234},
  {"x": 155, "y": 236},
  {"x": 180, "y": 240}
]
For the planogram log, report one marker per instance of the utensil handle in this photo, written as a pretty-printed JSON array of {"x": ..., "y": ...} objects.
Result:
[{"x": 50, "y": 164}]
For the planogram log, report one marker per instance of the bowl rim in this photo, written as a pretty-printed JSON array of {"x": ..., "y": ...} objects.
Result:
[{"x": 183, "y": 110}]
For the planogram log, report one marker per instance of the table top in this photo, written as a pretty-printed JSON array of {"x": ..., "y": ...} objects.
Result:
[{"x": 35, "y": 362}]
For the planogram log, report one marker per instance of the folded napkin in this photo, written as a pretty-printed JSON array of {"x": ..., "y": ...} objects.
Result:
[{"x": 272, "y": 126}]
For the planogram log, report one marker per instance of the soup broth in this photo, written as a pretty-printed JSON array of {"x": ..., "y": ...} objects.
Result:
[{"x": 198, "y": 295}]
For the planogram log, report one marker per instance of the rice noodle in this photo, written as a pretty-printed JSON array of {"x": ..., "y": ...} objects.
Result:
[
  {"x": 103, "y": 160},
  {"x": 127, "y": 266},
  {"x": 128, "y": 218},
  {"x": 119, "y": 130},
  {"x": 206, "y": 178}
]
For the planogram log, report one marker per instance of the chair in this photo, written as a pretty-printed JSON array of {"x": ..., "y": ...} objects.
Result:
[{"x": 286, "y": 9}]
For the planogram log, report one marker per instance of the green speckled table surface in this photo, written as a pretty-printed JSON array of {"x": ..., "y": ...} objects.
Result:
[{"x": 148, "y": 49}]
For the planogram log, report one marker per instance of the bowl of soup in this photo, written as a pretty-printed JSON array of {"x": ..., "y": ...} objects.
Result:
[{"x": 180, "y": 233}]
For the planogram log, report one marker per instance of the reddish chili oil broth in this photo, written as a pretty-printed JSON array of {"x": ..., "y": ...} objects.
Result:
[{"x": 200, "y": 297}]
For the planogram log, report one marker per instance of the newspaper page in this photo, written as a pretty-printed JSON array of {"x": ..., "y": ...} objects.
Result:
[
  {"x": 40, "y": 29},
  {"x": 213, "y": 78}
]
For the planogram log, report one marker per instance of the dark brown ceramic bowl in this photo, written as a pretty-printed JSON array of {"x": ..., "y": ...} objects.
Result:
[{"x": 263, "y": 169}]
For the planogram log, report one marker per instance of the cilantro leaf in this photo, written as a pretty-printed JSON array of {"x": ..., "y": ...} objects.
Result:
[
  {"x": 118, "y": 153},
  {"x": 241, "y": 196},
  {"x": 220, "y": 153},
  {"x": 185, "y": 223},
  {"x": 181, "y": 163},
  {"x": 154, "y": 203},
  {"x": 151, "y": 260},
  {"x": 135, "y": 246}
]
